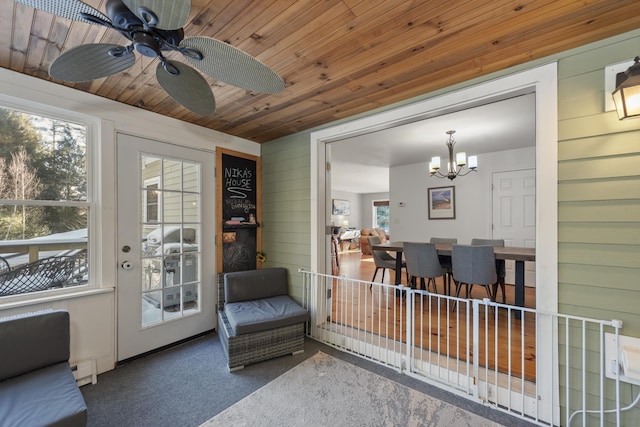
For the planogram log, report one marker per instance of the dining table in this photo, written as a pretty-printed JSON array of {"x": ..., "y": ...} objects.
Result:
[{"x": 518, "y": 254}]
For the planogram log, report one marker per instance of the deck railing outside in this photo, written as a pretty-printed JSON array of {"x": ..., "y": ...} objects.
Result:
[
  {"x": 22, "y": 256},
  {"x": 546, "y": 368}
]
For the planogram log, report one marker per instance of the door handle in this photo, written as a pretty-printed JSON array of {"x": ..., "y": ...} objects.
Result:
[{"x": 127, "y": 265}]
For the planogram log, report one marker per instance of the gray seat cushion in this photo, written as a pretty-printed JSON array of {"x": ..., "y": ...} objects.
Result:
[
  {"x": 263, "y": 314},
  {"x": 45, "y": 397},
  {"x": 255, "y": 284}
]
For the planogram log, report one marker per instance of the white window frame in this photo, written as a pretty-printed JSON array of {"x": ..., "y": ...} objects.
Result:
[
  {"x": 94, "y": 191},
  {"x": 147, "y": 183},
  {"x": 374, "y": 213}
]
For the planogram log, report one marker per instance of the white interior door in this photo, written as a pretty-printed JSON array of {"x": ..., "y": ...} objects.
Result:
[
  {"x": 165, "y": 244},
  {"x": 514, "y": 215}
]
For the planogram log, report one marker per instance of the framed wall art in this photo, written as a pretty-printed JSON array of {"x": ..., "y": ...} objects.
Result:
[
  {"x": 341, "y": 207},
  {"x": 442, "y": 202}
]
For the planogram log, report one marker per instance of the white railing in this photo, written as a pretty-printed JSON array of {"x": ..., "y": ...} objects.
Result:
[{"x": 546, "y": 368}]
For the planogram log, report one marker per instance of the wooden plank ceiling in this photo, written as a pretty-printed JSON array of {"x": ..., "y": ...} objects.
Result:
[{"x": 337, "y": 57}]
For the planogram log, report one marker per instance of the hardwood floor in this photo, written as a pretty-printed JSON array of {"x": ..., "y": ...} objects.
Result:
[{"x": 501, "y": 336}]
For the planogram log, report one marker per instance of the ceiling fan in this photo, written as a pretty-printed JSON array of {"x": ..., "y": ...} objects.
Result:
[{"x": 154, "y": 27}]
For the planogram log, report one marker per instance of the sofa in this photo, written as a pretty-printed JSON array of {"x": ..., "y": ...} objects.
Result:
[
  {"x": 257, "y": 319},
  {"x": 37, "y": 387},
  {"x": 365, "y": 233}
]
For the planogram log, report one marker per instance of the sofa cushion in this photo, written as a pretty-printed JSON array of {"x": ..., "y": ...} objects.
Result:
[
  {"x": 263, "y": 314},
  {"x": 255, "y": 284},
  {"x": 45, "y": 397},
  {"x": 28, "y": 335}
]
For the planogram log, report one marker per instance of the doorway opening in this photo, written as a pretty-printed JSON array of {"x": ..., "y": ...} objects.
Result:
[{"x": 543, "y": 82}]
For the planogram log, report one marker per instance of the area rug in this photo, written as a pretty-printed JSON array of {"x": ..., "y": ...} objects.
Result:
[{"x": 326, "y": 391}]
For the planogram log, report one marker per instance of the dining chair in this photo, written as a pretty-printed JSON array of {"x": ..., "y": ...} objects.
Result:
[
  {"x": 445, "y": 260},
  {"x": 422, "y": 262},
  {"x": 500, "y": 265},
  {"x": 382, "y": 259},
  {"x": 473, "y": 265}
]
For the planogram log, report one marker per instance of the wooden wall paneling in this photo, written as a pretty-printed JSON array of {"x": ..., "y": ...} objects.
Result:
[
  {"x": 286, "y": 206},
  {"x": 338, "y": 58},
  {"x": 599, "y": 145},
  {"x": 20, "y": 37},
  {"x": 608, "y": 190},
  {"x": 249, "y": 24},
  {"x": 622, "y": 233},
  {"x": 590, "y": 211},
  {"x": 6, "y": 26},
  {"x": 40, "y": 33}
]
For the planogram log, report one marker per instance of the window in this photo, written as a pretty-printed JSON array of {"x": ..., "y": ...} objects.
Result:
[
  {"x": 44, "y": 203},
  {"x": 381, "y": 214},
  {"x": 151, "y": 200}
]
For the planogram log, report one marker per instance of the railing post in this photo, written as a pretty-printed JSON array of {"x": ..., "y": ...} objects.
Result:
[
  {"x": 409, "y": 326},
  {"x": 476, "y": 346}
]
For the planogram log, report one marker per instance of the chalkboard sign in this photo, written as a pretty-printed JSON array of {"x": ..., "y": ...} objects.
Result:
[
  {"x": 239, "y": 188},
  {"x": 238, "y": 228}
]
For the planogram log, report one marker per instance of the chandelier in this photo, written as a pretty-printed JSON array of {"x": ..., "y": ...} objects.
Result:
[{"x": 456, "y": 168}]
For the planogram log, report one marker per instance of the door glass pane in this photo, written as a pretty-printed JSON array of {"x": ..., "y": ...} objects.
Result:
[
  {"x": 191, "y": 182},
  {"x": 171, "y": 206},
  {"x": 170, "y": 240},
  {"x": 172, "y": 174},
  {"x": 151, "y": 202},
  {"x": 191, "y": 207}
]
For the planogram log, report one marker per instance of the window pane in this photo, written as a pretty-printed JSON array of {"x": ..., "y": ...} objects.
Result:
[
  {"x": 381, "y": 217},
  {"x": 172, "y": 175},
  {"x": 45, "y": 246},
  {"x": 172, "y": 206},
  {"x": 44, "y": 212},
  {"x": 42, "y": 158},
  {"x": 191, "y": 207},
  {"x": 191, "y": 180},
  {"x": 18, "y": 222},
  {"x": 151, "y": 199}
]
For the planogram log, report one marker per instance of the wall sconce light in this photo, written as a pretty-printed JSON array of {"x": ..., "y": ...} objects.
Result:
[{"x": 626, "y": 96}]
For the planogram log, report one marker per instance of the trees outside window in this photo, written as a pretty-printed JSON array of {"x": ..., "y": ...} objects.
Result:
[
  {"x": 381, "y": 215},
  {"x": 43, "y": 186}
]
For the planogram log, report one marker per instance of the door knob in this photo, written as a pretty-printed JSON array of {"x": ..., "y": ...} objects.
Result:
[{"x": 127, "y": 265}]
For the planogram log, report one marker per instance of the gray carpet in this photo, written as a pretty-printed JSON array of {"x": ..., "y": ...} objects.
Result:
[
  {"x": 326, "y": 391},
  {"x": 188, "y": 384}
]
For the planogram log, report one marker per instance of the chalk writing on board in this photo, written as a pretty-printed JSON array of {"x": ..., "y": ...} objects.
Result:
[
  {"x": 238, "y": 182},
  {"x": 245, "y": 206}
]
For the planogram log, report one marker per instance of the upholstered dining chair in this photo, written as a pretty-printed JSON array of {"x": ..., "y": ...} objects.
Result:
[
  {"x": 422, "y": 262},
  {"x": 500, "y": 266},
  {"x": 382, "y": 259},
  {"x": 445, "y": 260},
  {"x": 473, "y": 265}
]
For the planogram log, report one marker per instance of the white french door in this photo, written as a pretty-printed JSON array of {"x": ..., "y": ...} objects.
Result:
[{"x": 166, "y": 261}]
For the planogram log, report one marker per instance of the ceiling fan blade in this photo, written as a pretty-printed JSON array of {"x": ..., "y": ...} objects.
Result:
[
  {"x": 231, "y": 65},
  {"x": 90, "y": 62},
  {"x": 66, "y": 8},
  {"x": 187, "y": 87},
  {"x": 171, "y": 14}
]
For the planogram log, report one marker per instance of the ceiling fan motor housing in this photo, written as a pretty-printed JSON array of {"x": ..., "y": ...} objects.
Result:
[{"x": 146, "y": 44}]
